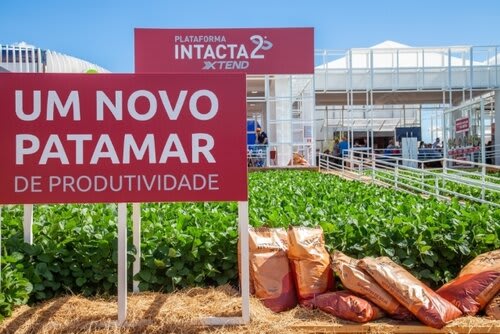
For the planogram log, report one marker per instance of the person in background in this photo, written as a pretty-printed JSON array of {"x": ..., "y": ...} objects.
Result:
[
  {"x": 343, "y": 147},
  {"x": 336, "y": 151},
  {"x": 261, "y": 137},
  {"x": 437, "y": 143},
  {"x": 390, "y": 147},
  {"x": 391, "y": 144},
  {"x": 261, "y": 142},
  {"x": 489, "y": 153}
]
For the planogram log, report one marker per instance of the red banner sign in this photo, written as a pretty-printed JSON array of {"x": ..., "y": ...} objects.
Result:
[
  {"x": 80, "y": 138},
  {"x": 462, "y": 125},
  {"x": 252, "y": 51}
]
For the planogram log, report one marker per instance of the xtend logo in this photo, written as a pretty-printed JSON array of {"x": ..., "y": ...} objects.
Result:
[{"x": 217, "y": 54}]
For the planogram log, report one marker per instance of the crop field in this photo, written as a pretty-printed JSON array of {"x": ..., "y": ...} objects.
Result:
[{"x": 195, "y": 244}]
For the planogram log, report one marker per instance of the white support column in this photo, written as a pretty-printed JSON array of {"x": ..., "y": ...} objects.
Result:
[
  {"x": 136, "y": 219},
  {"x": 497, "y": 127},
  {"x": 122, "y": 263},
  {"x": 28, "y": 223},
  {"x": 245, "y": 262},
  {"x": 283, "y": 115},
  {"x": 483, "y": 146}
]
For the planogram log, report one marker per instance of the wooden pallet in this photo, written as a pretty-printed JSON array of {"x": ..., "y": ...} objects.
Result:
[{"x": 393, "y": 329}]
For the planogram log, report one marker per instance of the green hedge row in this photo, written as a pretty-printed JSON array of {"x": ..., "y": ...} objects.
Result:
[{"x": 187, "y": 244}]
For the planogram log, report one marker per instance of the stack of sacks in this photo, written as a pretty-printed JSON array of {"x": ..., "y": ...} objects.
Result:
[
  {"x": 476, "y": 284},
  {"x": 310, "y": 263}
]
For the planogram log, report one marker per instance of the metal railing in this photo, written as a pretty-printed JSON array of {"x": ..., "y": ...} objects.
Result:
[{"x": 467, "y": 180}]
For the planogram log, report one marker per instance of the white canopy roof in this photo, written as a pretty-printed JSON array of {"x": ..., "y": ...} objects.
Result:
[{"x": 390, "y": 54}]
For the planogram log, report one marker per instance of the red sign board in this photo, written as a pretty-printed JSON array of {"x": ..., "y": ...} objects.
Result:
[
  {"x": 462, "y": 124},
  {"x": 80, "y": 138},
  {"x": 253, "y": 51}
]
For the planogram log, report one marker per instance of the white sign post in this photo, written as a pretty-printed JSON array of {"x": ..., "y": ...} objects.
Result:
[
  {"x": 122, "y": 263},
  {"x": 28, "y": 223},
  {"x": 136, "y": 220}
]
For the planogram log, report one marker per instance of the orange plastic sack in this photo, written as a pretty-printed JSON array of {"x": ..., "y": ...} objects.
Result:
[
  {"x": 476, "y": 284},
  {"x": 425, "y": 304},
  {"x": 310, "y": 262},
  {"x": 271, "y": 279},
  {"x": 345, "y": 305},
  {"x": 492, "y": 310},
  {"x": 355, "y": 279}
]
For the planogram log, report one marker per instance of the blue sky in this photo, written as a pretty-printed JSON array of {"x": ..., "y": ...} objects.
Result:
[{"x": 101, "y": 31}]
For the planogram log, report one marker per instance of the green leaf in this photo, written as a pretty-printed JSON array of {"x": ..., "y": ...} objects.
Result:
[
  {"x": 159, "y": 263},
  {"x": 410, "y": 263},
  {"x": 464, "y": 249},
  {"x": 172, "y": 252},
  {"x": 428, "y": 261},
  {"x": 81, "y": 281},
  {"x": 490, "y": 239},
  {"x": 145, "y": 275}
]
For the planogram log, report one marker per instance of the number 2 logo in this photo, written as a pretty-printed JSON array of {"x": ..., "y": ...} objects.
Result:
[{"x": 261, "y": 44}]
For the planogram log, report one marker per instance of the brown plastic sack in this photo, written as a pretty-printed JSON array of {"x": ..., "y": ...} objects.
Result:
[
  {"x": 310, "y": 262},
  {"x": 476, "y": 284},
  {"x": 355, "y": 279},
  {"x": 424, "y": 303},
  {"x": 298, "y": 160},
  {"x": 273, "y": 280},
  {"x": 484, "y": 262},
  {"x": 492, "y": 310},
  {"x": 346, "y": 305},
  {"x": 263, "y": 240}
]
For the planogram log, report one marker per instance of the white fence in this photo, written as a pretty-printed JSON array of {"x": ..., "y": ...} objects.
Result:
[{"x": 466, "y": 180}]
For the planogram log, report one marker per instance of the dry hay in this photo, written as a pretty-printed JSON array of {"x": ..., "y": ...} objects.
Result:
[{"x": 180, "y": 313}]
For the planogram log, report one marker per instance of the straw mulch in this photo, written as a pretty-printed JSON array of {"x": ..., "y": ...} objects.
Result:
[{"x": 180, "y": 313}]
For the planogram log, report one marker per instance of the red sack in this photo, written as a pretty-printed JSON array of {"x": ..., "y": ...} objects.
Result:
[
  {"x": 471, "y": 292},
  {"x": 425, "y": 304},
  {"x": 345, "y": 305},
  {"x": 476, "y": 284}
]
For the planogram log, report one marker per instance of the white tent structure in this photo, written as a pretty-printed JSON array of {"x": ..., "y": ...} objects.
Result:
[
  {"x": 389, "y": 85},
  {"x": 22, "y": 57},
  {"x": 395, "y": 66}
]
